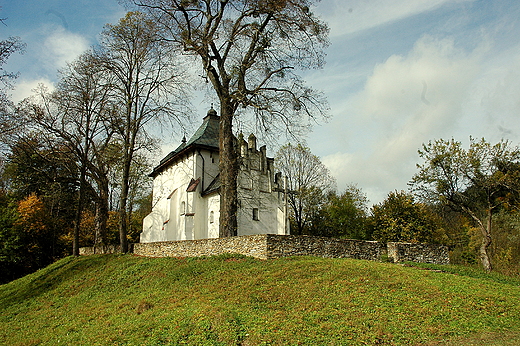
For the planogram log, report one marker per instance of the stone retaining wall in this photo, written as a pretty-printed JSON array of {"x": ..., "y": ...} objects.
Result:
[
  {"x": 417, "y": 252},
  {"x": 249, "y": 245},
  {"x": 291, "y": 245},
  {"x": 267, "y": 246},
  {"x": 102, "y": 249}
]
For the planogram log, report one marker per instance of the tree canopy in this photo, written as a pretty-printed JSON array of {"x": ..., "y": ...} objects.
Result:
[
  {"x": 400, "y": 219},
  {"x": 477, "y": 181},
  {"x": 342, "y": 215}
]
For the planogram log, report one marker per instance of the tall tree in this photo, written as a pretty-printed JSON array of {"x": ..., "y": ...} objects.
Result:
[
  {"x": 342, "y": 215},
  {"x": 308, "y": 182},
  {"x": 77, "y": 113},
  {"x": 148, "y": 86},
  {"x": 43, "y": 175},
  {"x": 477, "y": 181},
  {"x": 400, "y": 218},
  {"x": 249, "y": 51}
]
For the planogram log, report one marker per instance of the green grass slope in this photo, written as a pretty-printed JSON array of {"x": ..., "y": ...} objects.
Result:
[{"x": 232, "y": 300}]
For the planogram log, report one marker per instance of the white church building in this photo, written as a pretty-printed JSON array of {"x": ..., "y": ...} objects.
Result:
[{"x": 186, "y": 185}]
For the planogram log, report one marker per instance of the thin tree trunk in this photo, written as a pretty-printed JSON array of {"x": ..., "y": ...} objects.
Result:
[
  {"x": 486, "y": 237},
  {"x": 228, "y": 174},
  {"x": 102, "y": 216},
  {"x": 123, "y": 201},
  {"x": 123, "y": 225},
  {"x": 82, "y": 177}
]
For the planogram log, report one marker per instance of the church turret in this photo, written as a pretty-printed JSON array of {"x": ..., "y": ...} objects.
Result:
[
  {"x": 242, "y": 145},
  {"x": 252, "y": 142},
  {"x": 263, "y": 159},
  {"x": 212, "y": 112}
]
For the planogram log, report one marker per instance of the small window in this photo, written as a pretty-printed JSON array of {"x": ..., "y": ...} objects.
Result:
[
  {"x": 211, "y": 217},
  {"x": 183, "y": 208},
  {"x": 255, "y": 214}
]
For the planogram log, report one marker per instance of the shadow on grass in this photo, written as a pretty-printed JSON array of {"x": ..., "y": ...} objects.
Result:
[{"x": 46, "y": 279}]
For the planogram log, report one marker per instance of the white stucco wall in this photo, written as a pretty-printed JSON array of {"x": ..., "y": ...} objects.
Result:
[
  {"x": 169, "y": 191},
  {"x": 178, "y": 214},
  {"x": 213, "y": 206}
]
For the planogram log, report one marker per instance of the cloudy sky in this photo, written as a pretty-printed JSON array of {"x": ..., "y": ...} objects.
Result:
[{"x": 399, "y": 73}]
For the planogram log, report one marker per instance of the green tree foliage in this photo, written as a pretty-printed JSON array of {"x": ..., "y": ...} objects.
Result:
[
  {"x": 29, "y": 237},
  {"x": 505, "y": 249},
  {"x": 342, "y": 215},
  {"x": 478, "y": 181},
  {"x": 250, "y": 53},
  {"x": 46, "y": 169},
  {"x": 34, "y": 227},
  {"x": 10, "y": 242},
  {"x": 399, "y": 218},
  {"x": 37, "y": 206}
]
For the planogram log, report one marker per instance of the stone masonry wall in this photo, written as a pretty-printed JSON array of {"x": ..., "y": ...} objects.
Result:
[
  {"x": 268, "y": 246},
  {"x": 417, "y": 252},
  {"x": 101, "y": 249},
  {"x": 249, "y": 245},
  {"x": 291, "y": 245}
]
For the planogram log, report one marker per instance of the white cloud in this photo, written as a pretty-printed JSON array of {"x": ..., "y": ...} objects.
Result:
[
  {"x": 349, "y": 17},
  {"x": 494, "y": 106},
  {"x": 407, "y": 101},
  {"x": 24, "y": 88},
  {"x": 61, "y": 46}
]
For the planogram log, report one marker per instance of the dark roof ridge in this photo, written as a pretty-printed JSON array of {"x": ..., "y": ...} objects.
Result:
[{"x": 206, "y": 136}]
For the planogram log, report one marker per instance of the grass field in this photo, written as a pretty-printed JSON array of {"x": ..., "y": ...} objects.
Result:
[{"x": 234, "y": 300}]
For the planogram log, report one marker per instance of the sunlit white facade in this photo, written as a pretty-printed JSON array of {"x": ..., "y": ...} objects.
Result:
[{"x": 186, "y": 200}]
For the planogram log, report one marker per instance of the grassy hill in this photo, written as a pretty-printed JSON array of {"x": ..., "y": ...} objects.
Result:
[{"x": 233, "y": 300}]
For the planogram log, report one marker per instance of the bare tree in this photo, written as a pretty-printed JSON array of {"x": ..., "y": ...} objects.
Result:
[
  {"x": 250, "y": 52},
  {"x": 308, "y": 179},
  {"x": 7, "y": 48},
  {"x": 147, "y": 85},
  {"x": 77, "y": 113}
]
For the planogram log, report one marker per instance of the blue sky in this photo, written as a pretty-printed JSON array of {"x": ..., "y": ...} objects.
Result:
[{"x": 399, "y": 73}]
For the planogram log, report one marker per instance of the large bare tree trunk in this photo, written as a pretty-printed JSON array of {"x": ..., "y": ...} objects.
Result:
[
  {"x": 486, "y": 242},
  {"x": 228, "y": 174},
  {"x": 123, "y": 201}
]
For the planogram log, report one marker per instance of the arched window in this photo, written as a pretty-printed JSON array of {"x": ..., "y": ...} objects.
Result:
[{"x": 211, "y": 217}]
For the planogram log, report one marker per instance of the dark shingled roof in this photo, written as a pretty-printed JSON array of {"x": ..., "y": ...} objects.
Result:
[
  {"x": 206, "y": 136},
  {"x": 213, "y": 186}
]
